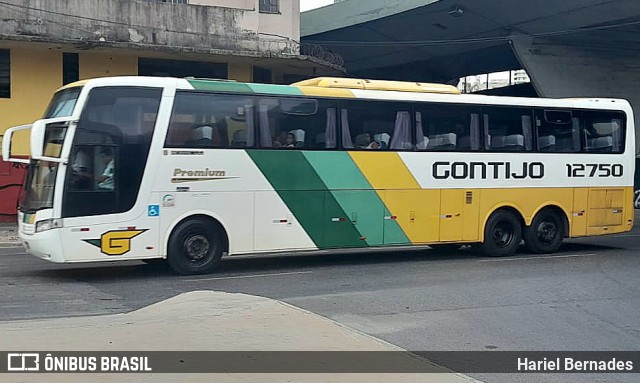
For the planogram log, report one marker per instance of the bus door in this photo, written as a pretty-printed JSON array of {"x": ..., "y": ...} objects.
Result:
[
  {"x": 416, "y": 212},
  {"x": 606, "y": 209},
  {"x": 580, "y": 212},
  {"x": 459, "y": 209},
  {"x": 353, "y": 218}
]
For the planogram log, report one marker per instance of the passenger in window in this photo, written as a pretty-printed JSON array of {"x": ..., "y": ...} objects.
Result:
[
  {"x": 81, "y": 176},
  {"x": 280, "y": 139},
  {"x": 364, "y": 141},
  {"x": 80, "y": 162},
  {"x": 105, "y": 181},
  {"x": 290, "y": 141}
]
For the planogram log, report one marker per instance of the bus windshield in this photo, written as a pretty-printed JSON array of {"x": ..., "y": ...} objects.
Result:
[
  {"x": 109, "y": 151},
  {"x": 38, "y": 187},
  {"x": 63, "y": 103}
]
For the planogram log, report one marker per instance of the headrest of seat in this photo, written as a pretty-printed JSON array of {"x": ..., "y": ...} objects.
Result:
[
  {"x": 442, "y": 139},
  {"x": 601, "y": 142},
  {"x": 546, "y": 141},
  {"x": 514, "y": 140},
  {"x": 204, "y": 131}
]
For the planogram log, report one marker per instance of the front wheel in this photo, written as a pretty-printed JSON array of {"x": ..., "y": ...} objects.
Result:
[
  {"x": 195, "y": 247},
  {"x": 502, "y": 234},
  {"x": 546, "y": 233}
]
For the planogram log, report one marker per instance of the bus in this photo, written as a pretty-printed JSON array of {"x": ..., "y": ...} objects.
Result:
[{"x": 189, "y": 170}]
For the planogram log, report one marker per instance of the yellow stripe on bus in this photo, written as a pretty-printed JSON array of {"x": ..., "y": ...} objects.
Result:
[
  {"x": 384, "y": 170},
  {"x": 325, "y": 92},
  {"x": 73, "y": 85},
  {"x": 407, "y": 202}
]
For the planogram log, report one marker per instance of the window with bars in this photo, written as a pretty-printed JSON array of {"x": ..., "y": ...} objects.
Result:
[
  {"x": 5, "y": 73},
  {"x": 269, "y": 6}
]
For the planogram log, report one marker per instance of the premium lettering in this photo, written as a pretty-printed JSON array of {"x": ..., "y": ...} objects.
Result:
[{"x": 199, "y": 173}]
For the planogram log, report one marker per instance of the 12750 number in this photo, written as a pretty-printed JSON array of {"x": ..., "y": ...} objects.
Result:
[{"x": 594, "y": 170}]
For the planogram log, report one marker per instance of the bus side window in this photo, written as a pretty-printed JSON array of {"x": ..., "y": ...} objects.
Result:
[
  {"x": 447, "y": 127},
  {"x": 376, "y": 126},
  {"x": 508, "y": 129},
  {"x": 202, "y": 120},
  {"x": 603, "y": 132},
  {"x": 557, "y": 131},
  {"x": 297, "y": 123}
]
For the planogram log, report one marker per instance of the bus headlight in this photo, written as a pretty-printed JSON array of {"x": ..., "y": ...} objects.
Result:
[{"x": 48, "y": 224}]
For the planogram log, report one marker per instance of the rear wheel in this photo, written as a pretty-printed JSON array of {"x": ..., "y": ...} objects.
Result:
[
  {"x": 195, "y": 247},
  {"x": 502, "y": 234},
  {"x": 546, "y": 233}
]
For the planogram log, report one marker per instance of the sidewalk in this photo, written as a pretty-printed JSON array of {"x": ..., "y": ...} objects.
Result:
[
  {"x": 9, "y": 235},
  {"x": 203, "y": 321}
]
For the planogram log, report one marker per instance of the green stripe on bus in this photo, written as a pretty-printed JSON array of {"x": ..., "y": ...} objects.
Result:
[
  {"x": 276, "y": 89},
  {"x": 304, "y": 193},
  {"x": 356, "y": 197},
  {"x": 221, "y": 86},
  {"x": 337, "y": 170}
]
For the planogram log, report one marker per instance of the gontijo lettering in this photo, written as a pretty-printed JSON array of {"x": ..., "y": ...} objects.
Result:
[{"x": 487, "y": 170}]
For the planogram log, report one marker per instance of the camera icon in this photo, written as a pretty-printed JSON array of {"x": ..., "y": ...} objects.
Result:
[{"x": 23, "y": 362}]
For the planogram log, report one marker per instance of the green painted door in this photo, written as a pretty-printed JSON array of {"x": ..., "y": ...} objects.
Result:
[{"x": 361, "y": 221}]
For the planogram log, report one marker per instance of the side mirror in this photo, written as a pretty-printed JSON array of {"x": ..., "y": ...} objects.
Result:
[
  {"x": 47, "y": 139},
  {"x": 6, "y": 144}
]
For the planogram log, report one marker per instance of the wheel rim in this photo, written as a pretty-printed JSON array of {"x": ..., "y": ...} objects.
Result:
[
  {"x": 197, "y": 248},
  {"x": 503, "y": 233},
  {"x": 546, "y": 232}
]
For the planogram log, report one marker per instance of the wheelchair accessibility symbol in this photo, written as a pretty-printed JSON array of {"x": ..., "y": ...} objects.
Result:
[{"x": 153, "y": 211}]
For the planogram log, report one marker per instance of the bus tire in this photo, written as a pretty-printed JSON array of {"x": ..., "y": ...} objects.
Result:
[
  {"x": 195, "y": 247},
  {"x": 545, "y": 234},
  {"x": 502, "y": 234}
]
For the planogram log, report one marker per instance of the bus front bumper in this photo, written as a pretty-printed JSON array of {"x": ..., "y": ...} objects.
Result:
[{"x": 45, "y": 245}]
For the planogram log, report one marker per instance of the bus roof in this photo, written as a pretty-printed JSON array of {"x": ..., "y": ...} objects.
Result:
[
  {"x": 74, "y": 84},
  {"x": 349, "y": 88},
  {"x": 399, "y": 86}
]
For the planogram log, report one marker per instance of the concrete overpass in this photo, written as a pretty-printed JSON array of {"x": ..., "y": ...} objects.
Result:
[{"x": 570, "y": 48}]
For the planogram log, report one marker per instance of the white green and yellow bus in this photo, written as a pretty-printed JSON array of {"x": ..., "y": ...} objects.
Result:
[{"x": 189, "y": 170}]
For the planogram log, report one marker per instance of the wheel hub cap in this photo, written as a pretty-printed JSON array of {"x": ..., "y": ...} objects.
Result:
[
  {"x": 547, "y": 232},
  {"x": 503, "y": 234},
  {"x": 197, "y": 247}
]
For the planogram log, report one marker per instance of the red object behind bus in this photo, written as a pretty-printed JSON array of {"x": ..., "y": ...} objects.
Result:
[{"x": 11, "y": 179}]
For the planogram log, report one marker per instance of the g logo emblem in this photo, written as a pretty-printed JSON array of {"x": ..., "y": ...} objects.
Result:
[{"x": 116, "y": 242}]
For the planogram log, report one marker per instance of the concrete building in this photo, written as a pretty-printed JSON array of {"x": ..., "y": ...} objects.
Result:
[
  {"x": 519, "y": 77},
  {"x": 47, "y": 43}
]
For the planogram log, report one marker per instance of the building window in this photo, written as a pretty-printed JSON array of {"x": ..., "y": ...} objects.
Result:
[
  {"x": 5, "y": 73},
  {"x": 173, "y": 1},
  {"x": 262, "y": 75},
  {"x": 269, "y": 6},
  {"x": 70, "y": 68}
]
